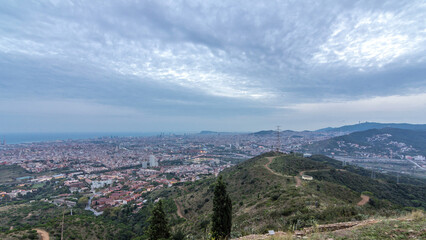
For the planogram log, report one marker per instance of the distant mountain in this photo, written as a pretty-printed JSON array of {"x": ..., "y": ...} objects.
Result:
[
  {"x": 373, "y": 125},
  {"x": 208, "y": 132},
  {"x": 264, "y": 132},
  {"x": 385, "y": 141},
  {"x": 271, "y": 132},
  {"x": 268, "y": 193}
]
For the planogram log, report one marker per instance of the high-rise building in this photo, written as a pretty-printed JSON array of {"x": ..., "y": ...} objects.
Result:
[
  {"x": 153, "y": 162},
  {"x": 145, "y": 164}
]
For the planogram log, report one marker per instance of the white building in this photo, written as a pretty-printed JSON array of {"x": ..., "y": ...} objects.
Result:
[
  {"x": 153, "y": 162},
  {"x": 101, "y": 184},
  {"x": 145, "y": 164},
  {"x": 307, "y": 177}
]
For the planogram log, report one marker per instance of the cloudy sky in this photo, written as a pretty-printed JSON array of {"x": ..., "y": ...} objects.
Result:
[{"x": 92, "y": 66}]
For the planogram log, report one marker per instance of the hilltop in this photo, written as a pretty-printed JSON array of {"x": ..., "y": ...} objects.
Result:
[{"x": 268, "y": 193}]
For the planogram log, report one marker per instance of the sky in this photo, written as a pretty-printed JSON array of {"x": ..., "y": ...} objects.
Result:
[{"x": 186, "y": 66}]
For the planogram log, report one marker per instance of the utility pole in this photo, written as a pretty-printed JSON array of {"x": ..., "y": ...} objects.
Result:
[
  {"x": 397, "y": 178},
  {"x": 278, "y": 139}
]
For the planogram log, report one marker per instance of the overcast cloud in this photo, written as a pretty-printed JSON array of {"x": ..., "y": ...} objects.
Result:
[{"x": 217, "y": 65}]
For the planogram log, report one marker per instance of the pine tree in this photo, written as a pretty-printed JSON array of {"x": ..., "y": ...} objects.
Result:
[
  {"x": 222, "y": 212},
  {"x": 158, "y": 226}
]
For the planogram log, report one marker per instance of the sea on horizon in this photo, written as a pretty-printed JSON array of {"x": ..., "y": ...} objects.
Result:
[{"x": 17, "y": 138}]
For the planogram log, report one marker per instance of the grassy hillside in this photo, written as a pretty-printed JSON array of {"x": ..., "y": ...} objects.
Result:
[
  {"x": 266, "y": 191},
  {"x": 16, "y": 220},
  {"x": 410, "y": 193},
  {"x": 405, "y": 226},
  {"x": 270, "y": 199}
]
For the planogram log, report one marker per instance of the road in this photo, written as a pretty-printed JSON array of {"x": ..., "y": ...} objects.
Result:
[
  {"x": 89, "y": 203},
  {"x": 417, "y": 165}
]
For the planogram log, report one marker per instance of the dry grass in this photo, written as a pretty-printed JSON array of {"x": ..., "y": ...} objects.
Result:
[{"x": 417, "y": 215}]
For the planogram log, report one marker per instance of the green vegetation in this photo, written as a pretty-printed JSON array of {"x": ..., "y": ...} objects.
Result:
[
  {"x": 412, "y": 193},
  {"x": 272, "y": 201},
  {"x": 294, "y": 164},
  {"x": 82, "y": 202},
  {"x": 385, "y": 229},
  {"x": 222, "y": 211},
  {"x": 263, "y": 199},
  {"x": 9, "y": 173},
  {"x": 158, "y": 226},
  {"x": 80, "y": 225}
]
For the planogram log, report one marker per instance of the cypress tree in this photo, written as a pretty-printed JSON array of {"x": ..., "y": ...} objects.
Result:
[
  {"x": 222, "y": 212},
  {"x": 158, "y": 226}
]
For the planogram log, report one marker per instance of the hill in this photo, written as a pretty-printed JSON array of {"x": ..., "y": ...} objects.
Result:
[
  {"x": 384, "y": 142},
  {"x": 373, "y": 125},
  {"x": 268, "y": 193}
]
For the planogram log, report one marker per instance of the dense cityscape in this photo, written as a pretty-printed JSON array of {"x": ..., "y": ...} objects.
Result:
[
  {"x": 116, "y": 170},
  {"x": 112, "y": 171}
]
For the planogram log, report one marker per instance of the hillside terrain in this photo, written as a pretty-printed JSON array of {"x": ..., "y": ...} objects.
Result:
[
  {"x": 268, "y": 193},
  {"x": 374, "y": 142},
  {"x": 407, "y": 226}
]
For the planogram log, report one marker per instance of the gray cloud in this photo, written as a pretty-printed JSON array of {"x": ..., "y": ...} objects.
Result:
[{"x": 201, "y": 60}]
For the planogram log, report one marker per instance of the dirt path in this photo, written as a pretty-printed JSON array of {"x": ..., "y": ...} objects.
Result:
[
  {"x": 269, "y": 169},
  {"x": 43, "y": 234},
  {"x": 179, "y": 210},
  {"x": 298, "y": 181},
  {"x": 277, "y": 235},
  {"x": 364, "y": 200}
]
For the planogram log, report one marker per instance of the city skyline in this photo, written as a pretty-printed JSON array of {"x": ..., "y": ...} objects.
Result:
[{"x": 187, "y": 66}]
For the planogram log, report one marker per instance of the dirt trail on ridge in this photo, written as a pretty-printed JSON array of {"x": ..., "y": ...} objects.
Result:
[
  {"x": 364, "y": 198},
  {"x": 269, "y": 169},
  {"x": 298, "y": 181}
]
